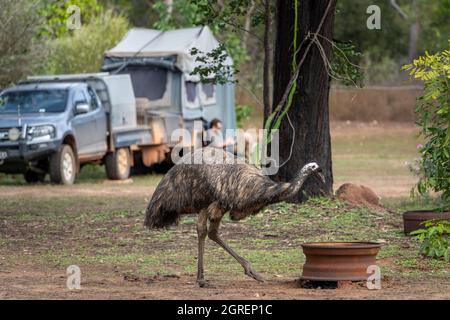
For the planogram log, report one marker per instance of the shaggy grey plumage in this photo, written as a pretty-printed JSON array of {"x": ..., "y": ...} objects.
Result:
[{"x": 218, "y": 186}]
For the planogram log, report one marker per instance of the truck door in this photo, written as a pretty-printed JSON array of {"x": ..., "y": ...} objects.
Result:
[
  {"x": 99, "y": 114},
  {"x": 85, "y": 126}
]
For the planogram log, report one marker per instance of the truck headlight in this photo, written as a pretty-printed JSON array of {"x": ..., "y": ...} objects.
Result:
[
  {"x": 41, "y": 133},
  {"x": 14, "y": 134}
]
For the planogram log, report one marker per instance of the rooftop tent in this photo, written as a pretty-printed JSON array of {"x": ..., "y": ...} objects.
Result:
[
  {"x": 160, "y": 65},
  {"x": 148, "y": 43}
]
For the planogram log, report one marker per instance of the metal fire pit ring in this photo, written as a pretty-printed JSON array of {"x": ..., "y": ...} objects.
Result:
[{"x": 339, "y": 261}]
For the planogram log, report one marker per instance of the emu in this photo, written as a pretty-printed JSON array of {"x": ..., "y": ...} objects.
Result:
[{"x": 218, "y": 185}]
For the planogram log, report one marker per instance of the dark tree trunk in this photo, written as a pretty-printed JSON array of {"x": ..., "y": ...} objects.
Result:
[
  {"x": 267, "y": 54},
  {"x": 309, "y": 112}
]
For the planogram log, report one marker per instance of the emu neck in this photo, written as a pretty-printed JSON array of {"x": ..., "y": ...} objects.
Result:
[{"x": 294, "y": 186}]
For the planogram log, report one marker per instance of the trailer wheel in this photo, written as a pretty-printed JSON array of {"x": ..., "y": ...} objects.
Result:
[
  {"x": 63, "y": 166},
  {"x": 118, "y": 164},
  {"x": 139, "y": 168},
  {"x": 33, "y": 176},
  {"x": 163, "y": 167}
]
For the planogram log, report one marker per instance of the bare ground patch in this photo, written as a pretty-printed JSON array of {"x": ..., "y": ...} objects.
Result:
[
  {"x": 51, "y": 284},
  {"x": 120, "y": 259}
]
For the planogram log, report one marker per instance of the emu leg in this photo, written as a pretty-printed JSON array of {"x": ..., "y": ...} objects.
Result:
[
  {"x": 213, "y": 233},
  {"x": 202, "y": 230}
]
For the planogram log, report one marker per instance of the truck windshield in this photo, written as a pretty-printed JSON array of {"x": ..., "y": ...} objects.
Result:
[{"x": 33, "y": 101}]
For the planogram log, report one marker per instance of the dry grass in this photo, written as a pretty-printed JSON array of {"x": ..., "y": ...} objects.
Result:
[
  {"x": 375, "y": 155},
  {"x": 366, "y": 105},
  {"x": 374, "y": 103}
]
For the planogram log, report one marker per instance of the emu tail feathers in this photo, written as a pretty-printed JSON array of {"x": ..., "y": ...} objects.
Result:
[{"x": 156, "y": 217}]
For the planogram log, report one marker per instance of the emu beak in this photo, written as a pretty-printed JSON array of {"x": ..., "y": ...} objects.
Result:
[{"x": 321, "y": 176}]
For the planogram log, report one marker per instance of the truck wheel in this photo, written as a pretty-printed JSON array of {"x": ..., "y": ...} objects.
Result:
[
  {"x": 63, "y": 166},
  {"x": 33, "y": 176},
  {"x": 118, "y": 164}
]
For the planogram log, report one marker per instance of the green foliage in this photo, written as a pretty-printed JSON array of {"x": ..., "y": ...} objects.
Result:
[
  {"x": 434, "y": 17},
  {"x": 243, "y": 113},
  {"x": 82, "y": 50},
  {"x": 435, "y": 239},
  {"x": 19, "y": 51},
  {"x": 385, "y": 50},
  {"x": 56, "y": 13},
  {"x": 185, "y": 13},
  {"x": 351, "y": 24},
  {"x": 344, "y": 64},
  {"x": 383, "y": 70},
  {"x": 433, "y": 116},
  {"x": 213, "y": 67},
  {"x": 220, "y": 17},
  {"x": 138, "y": 12}
]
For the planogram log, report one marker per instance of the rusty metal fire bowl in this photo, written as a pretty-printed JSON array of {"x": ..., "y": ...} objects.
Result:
[{"x": 339, "y": 261}]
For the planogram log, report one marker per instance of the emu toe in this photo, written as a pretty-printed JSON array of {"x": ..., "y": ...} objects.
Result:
[
  {"x": 205, "y": 284},
  {"x": 249, "y": 271}
]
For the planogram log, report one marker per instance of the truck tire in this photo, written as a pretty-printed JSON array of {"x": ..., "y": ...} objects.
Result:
[
  {"x": 31, "y": 176},
  {"x": 63, "y": 166},
  {"x": 118, "y": 164}
]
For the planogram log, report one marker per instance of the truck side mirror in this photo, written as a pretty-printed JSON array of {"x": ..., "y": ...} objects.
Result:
[{"x": 81, "y": 108}]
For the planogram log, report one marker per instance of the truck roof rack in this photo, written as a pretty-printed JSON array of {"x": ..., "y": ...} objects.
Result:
[{"x": 63, "y": 77}]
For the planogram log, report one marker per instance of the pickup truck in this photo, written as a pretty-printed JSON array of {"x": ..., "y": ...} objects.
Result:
[{"x": 56, "y": 124}]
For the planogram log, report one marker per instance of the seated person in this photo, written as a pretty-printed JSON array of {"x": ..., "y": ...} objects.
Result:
[{"x": 215, "y": 139}]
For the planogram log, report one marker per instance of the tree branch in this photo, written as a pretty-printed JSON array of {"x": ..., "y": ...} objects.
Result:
[
  {"x": 297, "y": 71},
  {"x": 247, "y": 24},
  {"x": 398, "y": 9}
]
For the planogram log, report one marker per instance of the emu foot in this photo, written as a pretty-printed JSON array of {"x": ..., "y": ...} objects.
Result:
[
  {"x": 249, "y": 271},
  {"x": 202, "y": 283}
]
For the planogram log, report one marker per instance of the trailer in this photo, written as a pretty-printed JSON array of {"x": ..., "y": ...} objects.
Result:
[{"x": 168, "y": 95}]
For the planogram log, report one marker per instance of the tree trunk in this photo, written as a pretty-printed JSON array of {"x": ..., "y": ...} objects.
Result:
[
  {"x": 169, "y": 4},
  {"x": 267, "y": 54},
  {"x": 309, "y": 112},
  {"x": 414, "y": 33}
]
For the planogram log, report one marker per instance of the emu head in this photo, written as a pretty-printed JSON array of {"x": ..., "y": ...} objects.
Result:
[{"x": 312, "y": 168}]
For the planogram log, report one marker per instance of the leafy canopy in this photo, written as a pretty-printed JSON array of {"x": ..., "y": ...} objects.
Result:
[{"x": 56, "y": 13}]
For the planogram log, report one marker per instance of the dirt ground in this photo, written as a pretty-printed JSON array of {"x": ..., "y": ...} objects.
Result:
[
  {"x": 98, "y": 226},
  {"x": 27, "y": 283},
  {"x": 38, "y": 243}
]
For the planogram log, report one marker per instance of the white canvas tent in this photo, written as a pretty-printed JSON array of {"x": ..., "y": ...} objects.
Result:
[
  {"x": 150, "y": 43},
  {"x": 160, "y": 66}
]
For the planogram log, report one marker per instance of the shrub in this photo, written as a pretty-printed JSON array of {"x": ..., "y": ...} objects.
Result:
[
  {"x": 433, "y": 116},
  {"x": 82, "y": 50},
  {"x": 19, "y": 51},
  {"x": 243, "y": 113},
  {"x": 435, "y": 239}
]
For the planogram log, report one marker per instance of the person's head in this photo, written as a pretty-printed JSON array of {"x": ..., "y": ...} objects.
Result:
[{"x": 215, "y": 124}]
